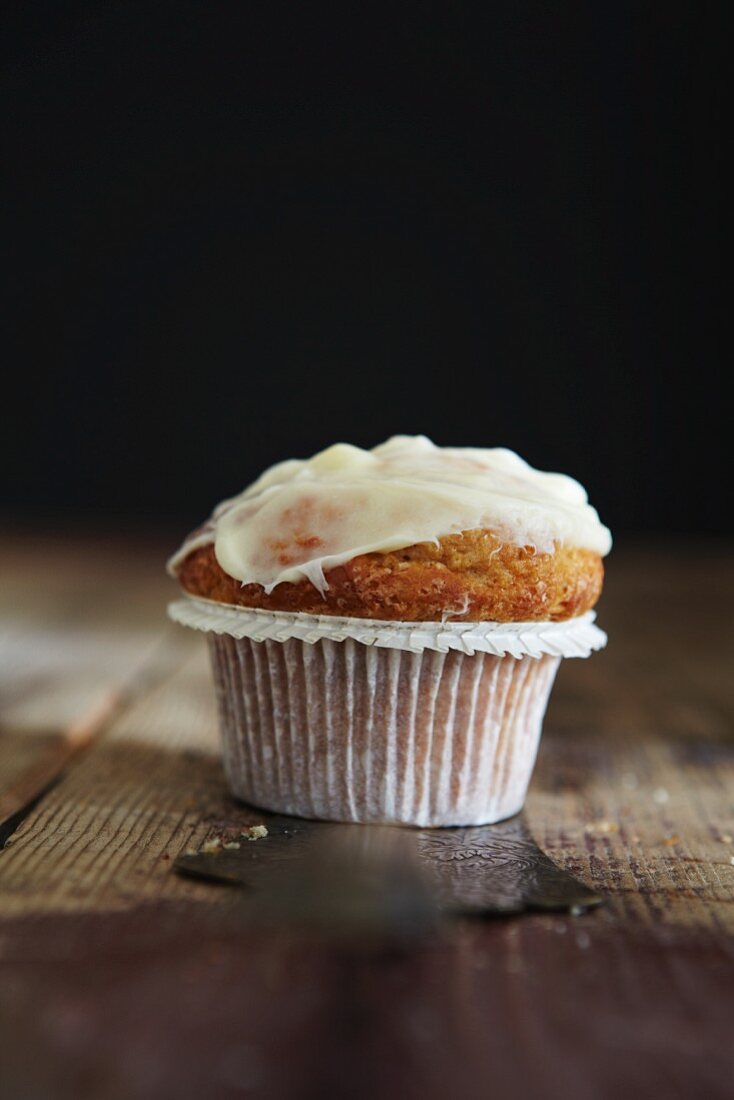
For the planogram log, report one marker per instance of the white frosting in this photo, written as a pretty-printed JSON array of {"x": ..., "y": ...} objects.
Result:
[{"x": 303, "y": 517}]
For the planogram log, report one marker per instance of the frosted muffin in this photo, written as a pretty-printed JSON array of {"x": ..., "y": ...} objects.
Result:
[{"x": 312, "y": 584}]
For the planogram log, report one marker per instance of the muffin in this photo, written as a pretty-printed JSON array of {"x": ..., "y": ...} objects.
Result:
[{"x": 385, "y": 627}]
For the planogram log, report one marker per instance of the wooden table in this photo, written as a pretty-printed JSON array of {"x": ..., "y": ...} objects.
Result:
[{"x": 118, "y": 978}]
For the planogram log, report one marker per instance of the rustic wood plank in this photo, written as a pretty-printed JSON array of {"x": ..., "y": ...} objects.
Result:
[
  {"x": 633, "y": 790},
  {"x": 165, "y": 1002},
  {"x": 72, "y": 656},
  {"x": 103, "y": 835},
  {"x": 76, "y": 618}
]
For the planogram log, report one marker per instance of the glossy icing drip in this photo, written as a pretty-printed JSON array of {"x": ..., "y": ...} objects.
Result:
[{"x": 303, "y": 517}]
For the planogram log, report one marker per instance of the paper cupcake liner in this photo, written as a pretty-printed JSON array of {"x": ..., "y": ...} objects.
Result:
[
  {"x": 347, "y": 732},
  {"x": 355, "y": 720},
  {"x": 574, "y": 638}
]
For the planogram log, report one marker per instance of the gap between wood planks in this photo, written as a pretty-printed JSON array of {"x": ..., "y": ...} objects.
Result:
[{"x": 25, "y": 794}]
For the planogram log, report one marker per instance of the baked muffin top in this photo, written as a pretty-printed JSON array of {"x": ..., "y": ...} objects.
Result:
[
  {"x": 408, "y": 531},
  {"x": 302, "y": 518}
]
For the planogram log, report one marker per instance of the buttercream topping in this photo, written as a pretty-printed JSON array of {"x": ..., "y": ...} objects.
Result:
[{"x": 303, "y": 517}]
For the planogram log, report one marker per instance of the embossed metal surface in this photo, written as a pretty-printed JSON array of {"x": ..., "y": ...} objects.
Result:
[
  {"x": 496, "y": 869},
  {"x": 373, "y": 877}
]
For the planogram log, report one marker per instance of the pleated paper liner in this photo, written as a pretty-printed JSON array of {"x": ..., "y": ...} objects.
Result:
[{"x": 357, "y": 720}]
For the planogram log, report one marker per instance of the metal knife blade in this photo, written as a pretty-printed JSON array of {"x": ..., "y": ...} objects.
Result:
[{"x": 374, "y": 877}]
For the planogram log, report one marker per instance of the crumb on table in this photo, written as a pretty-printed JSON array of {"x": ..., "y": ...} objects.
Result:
[
  {"x": 255, "y": 832},
  {"x": 601, "y": 828},
  {"x": 212, "y": 845}
]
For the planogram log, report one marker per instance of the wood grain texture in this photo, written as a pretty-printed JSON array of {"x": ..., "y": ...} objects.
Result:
[{"x": 118, "y": 978}]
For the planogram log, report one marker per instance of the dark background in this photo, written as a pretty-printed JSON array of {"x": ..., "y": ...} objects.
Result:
[{"x": 238, "y": 232}]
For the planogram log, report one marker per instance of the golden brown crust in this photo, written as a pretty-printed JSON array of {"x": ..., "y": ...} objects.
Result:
[{"x": 471, "y": 577}]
